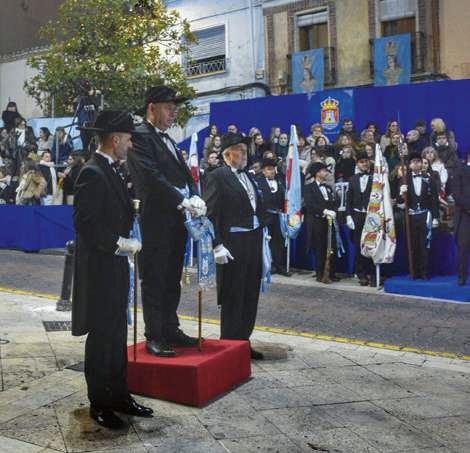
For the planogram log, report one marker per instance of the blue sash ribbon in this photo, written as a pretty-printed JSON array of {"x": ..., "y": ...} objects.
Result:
[{"x": 266, "y": 271}]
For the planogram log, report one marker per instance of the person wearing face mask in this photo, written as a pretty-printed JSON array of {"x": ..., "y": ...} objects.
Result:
[
  {"x": 423, "y": 209},
  {"x": 164, "y": 184},
  {"x": 102, "y": 218},
  {"x": 358, "y": 195},
  {"x": 234, "y": 205}
]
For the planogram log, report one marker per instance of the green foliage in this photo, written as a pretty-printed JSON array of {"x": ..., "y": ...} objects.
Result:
[{"x": 122, "y": 50}]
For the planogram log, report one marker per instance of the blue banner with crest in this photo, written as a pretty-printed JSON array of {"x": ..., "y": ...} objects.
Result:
[
  {"x": 308, "y": 72},
  {"x": 392, "y": 60}
]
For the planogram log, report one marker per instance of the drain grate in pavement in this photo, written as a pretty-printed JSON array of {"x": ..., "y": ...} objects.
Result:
[{"x": 57, "y": 326}]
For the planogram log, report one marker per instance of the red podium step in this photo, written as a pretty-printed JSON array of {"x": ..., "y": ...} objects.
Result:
[{"x": 192, "y": 377}]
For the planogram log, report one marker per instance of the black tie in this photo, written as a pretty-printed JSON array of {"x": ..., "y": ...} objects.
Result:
[
  {"x": 164, "y": 135},
  {"x": 417, "y": 176},
  {"x": 364, "y": 174}
]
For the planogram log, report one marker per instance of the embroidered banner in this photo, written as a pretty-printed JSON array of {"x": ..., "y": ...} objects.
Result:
[{"x": 392, "y": 60}]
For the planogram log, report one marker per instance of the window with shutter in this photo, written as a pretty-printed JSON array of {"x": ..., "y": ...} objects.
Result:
[{"x": 207, "y": 55}]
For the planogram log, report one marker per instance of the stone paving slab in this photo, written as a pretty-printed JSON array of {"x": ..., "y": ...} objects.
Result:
[{"x": 313, "y": 396}]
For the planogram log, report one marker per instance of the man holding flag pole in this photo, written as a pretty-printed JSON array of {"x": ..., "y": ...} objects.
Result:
[{"x": 378, "y": 240}]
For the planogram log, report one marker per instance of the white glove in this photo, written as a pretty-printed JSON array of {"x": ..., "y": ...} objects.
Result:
[
  {"x": 403, "y": 189},
  {"x": 350, "y": 222},
  {"x": 129, "y": 246},
  {"x": 268, "y": 237},
  {"x": 198, "y": 205},
  {"x": 435, "y": 223},
  {"x": 222, "y": 255},
  {"x": 186, "y": 204},
  {"x": 329, "y": 213}
]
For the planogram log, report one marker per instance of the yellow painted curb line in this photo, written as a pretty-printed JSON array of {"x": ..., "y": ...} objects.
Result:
[{"x": 290, "y": 332}]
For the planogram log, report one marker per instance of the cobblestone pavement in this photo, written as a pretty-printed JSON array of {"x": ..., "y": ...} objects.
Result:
[
  {"x": 343, "y": 309},
  {"x": 311, "y": 396}
]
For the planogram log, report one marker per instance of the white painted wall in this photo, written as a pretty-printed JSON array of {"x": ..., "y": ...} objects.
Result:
[{"x": 12, "y": 77}]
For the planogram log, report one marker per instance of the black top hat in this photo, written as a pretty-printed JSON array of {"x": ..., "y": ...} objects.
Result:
[
  {"x": 161, "y": 93},
  {"x": 362, "y": 155},
  {"x": 266, "y": 162},
  {"x": 109, "y": 121},
  {"x": 414, "y": 156},
  {"x": 314, "y": 168},
  {"x": 231, "y": 139}
]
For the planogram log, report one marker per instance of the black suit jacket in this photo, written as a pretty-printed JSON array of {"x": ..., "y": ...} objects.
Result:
[
  {"x": 228, "y": 204},
  {"x": 155, "y": 174},
  {"x": 461, "y": 192},
  {"x": 102, "y": 213},
  {"x": 272, "y": 201},
  {"x": 355, "y": 198},
  {"x": 427, "y": 200}
]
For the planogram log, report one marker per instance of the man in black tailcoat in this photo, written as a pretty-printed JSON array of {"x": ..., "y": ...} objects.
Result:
[
  {"x": 273, "y": 191},
  {"x": 103, "y": 218},
  {"x": 423, "y": 202},
  {"x": 357, "y": 201},
  {"x": 461, "y": 192},
  {"x": 164, "y": 184},
  {"x": 234, "y": 205},
  {"x": 320, "y": 205}
]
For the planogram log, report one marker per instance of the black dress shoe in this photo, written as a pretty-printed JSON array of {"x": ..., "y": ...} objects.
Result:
[
  {"x": 106, "y": 418},
  {"x": 256, "y": 355},
  {"x": 179, "y": 338},
  {"x": 132, "y": 407},
  {"x": 160, "y": 348}
]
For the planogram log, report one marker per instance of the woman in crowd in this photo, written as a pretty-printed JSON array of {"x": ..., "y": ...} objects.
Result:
[
  {"x": 438, "y": 126},
  {"x": 392, "y": 128},
  {"x": 374, "y": 128},
  {"x": 216, "y": 146},
  {"x": 274, "y": 136},
  {"x": 68, "y": 177},
  {"x": 32, "y": 185},
  {"x": 430, "y": 154},
  {"x": 316, "y": 130},
  {"x": 213, "y": 132},
  {"x": 346, "y": 165},
  {"x": 46, "y": 166},
  {"x": 10, "y": 115},
  {"x": 282, "y": 148},
  {"x": 343, "y": 141},
  {"x": 22, "y": 142},
  {"x": 65, "y": 146},
  {"x": 392, "y": 151},
  {"x": 46, "y": 140},
  {"x": 260, "y": 146}
]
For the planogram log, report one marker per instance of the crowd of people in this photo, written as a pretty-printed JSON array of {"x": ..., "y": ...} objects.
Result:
[{"x": 35, "y": 170}]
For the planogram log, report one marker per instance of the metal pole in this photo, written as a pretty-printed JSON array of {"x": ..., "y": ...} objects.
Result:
[
  {"x": 199, "y": 335},
  {"x": 53, "y": 106},
  {"x": 288, "y": 255},
  {"x": 136, "y": 283},
  {"x": 377, "y": 276},
  {"x": 64, "y": 304}
]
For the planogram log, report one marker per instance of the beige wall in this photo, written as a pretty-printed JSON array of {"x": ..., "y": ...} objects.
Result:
[
  {"x": 455, "y": 45},
  {"x": 352, "y": 50},
  {"x": 280, "y": 62}
]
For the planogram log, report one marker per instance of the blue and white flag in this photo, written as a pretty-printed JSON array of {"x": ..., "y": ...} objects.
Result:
[
  {"x": 308, "y": 71},
  {"x": 291, "y": 219},
  {"x": 392, "y": 60},
  {"x": 134, "y": 234}
]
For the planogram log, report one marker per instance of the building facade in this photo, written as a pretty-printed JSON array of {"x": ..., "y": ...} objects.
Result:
[{"x": 244, "y": 47}]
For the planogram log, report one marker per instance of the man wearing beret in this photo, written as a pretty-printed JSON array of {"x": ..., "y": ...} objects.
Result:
[
  {"x": 320, "y": 204},
  {"x": 164, "y": 184},
  {"x": 103, "y": 218},
  {"x": 273, "y": 191},
  {"x": 234, "y": 205},
  {"x": 358, "y": 195}
]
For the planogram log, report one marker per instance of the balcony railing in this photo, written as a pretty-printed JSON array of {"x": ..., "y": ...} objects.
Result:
[
  {"x": 205, "y": 67},
  {"x": 418, "y": 54}
]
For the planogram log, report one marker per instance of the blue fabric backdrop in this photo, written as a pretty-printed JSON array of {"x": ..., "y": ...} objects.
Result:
[
  {"x": 308, "y": 71},
  {"x": 392, "y": 60}
]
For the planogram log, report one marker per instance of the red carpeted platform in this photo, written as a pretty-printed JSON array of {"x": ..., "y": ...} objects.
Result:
[{"x": 192, "y": 377}]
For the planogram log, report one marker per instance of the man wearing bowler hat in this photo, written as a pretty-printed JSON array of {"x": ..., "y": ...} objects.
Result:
[
  {"x": 164, "y": 184},
  {"x": 234, "y": 205},
  {"x": 103, "y": 218}
]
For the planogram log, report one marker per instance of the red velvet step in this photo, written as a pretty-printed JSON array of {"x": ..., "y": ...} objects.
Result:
[{"x": 192, "y": 377}]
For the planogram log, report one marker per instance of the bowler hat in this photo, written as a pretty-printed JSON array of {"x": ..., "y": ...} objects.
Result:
[
  {"x": 362, "y": 155},
  {"x": 266, "y": 162},
  {"x": 160, "y": 93},
  {"x": 109, "y": 121},
  {"x": 314, "y": 168},
  {"x": 414, "y": 156},
  {"x": 233, "y": 138}
]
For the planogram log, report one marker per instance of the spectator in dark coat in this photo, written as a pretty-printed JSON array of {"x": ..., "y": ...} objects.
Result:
[{"x": 9, "y": 115}]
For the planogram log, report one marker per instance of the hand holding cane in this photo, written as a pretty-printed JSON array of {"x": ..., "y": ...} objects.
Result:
[{"x": 136, "y": 205}]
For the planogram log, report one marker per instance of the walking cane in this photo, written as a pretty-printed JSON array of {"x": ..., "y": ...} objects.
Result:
[
  {"x": 136, "y": 204},
  {"x": 199, "y": 332}
]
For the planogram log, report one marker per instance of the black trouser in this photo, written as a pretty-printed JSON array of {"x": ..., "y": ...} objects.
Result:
[
  {"x": 106, "y": 360},
  {"x": 277, "y": 244},
  {"x": 419, "y": 232},
  {"x": 463, "y": 252},
  {"x": 162, "y": 266},
  {"x": 364, "y": 266},
  {"x": 238, "y": 285},
  {"x": 320, "y": 242}
]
